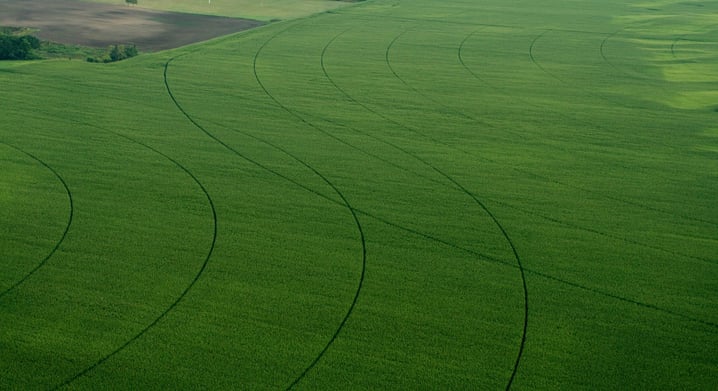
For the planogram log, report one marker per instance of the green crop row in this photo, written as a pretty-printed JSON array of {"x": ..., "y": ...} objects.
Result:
[{"x": 395, "y": 195}]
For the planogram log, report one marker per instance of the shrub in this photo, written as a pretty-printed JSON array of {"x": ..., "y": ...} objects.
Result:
[
  {"x": 18, "y": 47},
  {"x": 116, "y": 53}
]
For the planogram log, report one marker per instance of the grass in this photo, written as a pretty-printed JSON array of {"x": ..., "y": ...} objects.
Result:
[
  {"x": 54, "y": 50},
  {"x": 265, "y": 10},
  {"x": 376, "y": 198}
]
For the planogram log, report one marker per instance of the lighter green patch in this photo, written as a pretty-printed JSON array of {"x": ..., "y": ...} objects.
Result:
[
  {"x": 253, "y": 9},
  {"x": 692, "y": 73},
  {"x": 691, "y": 100}
]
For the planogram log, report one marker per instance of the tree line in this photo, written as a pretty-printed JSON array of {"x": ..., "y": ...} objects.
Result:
[
  {"x": 18, "y": 47},
  {"x": 116, "y": 53},
  {"x": 16, "y": 44}
]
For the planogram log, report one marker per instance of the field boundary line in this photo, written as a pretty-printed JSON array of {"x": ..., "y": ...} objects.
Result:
[{"x": 67, "y": 225}]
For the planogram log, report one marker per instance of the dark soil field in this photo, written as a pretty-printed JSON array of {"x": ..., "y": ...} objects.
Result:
[{"x": 99, "y": 25}]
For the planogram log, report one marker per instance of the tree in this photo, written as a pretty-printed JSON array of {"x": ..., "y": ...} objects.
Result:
[
  {"x": 17, "y": 47},
  {"x": 130, "y": 51},
  {"x": 32, "y": 40},
  {"x": 116, "y": 54},
  {"x": 130, "y": 2}
]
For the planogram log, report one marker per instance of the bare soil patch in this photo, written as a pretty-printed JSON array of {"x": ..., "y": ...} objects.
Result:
[{"x": 100, "y": 25}]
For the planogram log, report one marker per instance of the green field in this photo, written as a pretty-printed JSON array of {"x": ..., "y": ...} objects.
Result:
[
  {"x": 455, "y": 194},
  {"x": 254, "y": 9}
]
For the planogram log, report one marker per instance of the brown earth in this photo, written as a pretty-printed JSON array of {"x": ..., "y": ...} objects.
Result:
[{"x": 101, "y": 25}]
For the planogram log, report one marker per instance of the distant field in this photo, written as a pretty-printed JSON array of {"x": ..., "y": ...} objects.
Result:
[
  {"x": 264, "y": 10},
  {"x": 74, "y": 22},
  {"x": 401, "y": 195}
]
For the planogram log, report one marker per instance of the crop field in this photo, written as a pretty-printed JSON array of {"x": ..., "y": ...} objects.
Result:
[
  {"x": 264, "y": 10},
  {"x": 457, "y": 194}
]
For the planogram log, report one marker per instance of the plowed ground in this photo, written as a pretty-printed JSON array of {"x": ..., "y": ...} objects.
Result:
[{"x": 100, "y": 25}]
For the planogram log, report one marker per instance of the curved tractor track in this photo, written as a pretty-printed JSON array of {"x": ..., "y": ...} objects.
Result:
[
  {"x": 344, "y": 202},
  {"x": 68, "y": 382},
  {"x": 355, "y": 211},
  {"x": 337, "y": 191},
  {"x": 604, "y": 57},
  {"x": 495, "y": 220},
  {"x": 606, "y": 196},
  {"x": 71, "y": 212},
  {"x": 457, "y": 186},
  {"x": 415, "y": 90},
  {"x": 583, "y": 287}
]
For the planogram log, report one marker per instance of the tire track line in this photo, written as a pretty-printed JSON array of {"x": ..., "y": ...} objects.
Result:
[
  {"x": 424, "y": 235},
  {"x": 496, "y": 222},
  {"x": 526, "y": 211},
  {"x": 599, "y": 96},
  {"x": 230, "y": 148},
  {"x": 69, "y": 381},
  {"x": 297, "y": 113},
  {"x": 560, "y": 80},
  {"x": 601, "y": 233},
  {"x": 395, "y": 122},
  {"x": 488, "y": 258},
  {"x": 429, "y": 98},
  {"x": 602, "y": 51},
  {"x": 494, "y": 260},
  {"x": 484, "y": 208},
  {"x": 385, "y": 161},
  {"x": 67, "y": 225},
  {"x": 498, "y": 261},
  {"x": 345, "y": 201},
  {"x": 478, "y": 255},
  {"x": 358, "y": 131}
]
